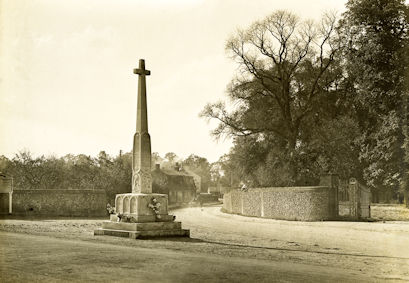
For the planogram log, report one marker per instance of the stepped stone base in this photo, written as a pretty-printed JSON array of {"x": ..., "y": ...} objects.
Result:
[
  {"x": 146, "y": 218},
  {"x": 144, "y": 221},
  {"x": 142, "y": 230}
]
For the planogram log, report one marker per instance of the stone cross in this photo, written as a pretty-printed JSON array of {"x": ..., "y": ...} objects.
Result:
[{"x": 141, "y": 153}]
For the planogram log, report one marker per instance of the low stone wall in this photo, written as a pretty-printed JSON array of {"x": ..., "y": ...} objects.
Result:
[
  {"x": 288, "y": 203},
  {"x": 56, "y": 202}
]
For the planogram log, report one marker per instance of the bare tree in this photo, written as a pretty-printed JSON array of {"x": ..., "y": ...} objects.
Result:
[{"x": 285, "y": 68}]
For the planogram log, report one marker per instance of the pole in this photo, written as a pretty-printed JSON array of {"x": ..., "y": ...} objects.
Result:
[
  {"x": 10, "y": 202},
  {"x": 11, "y": 198}
]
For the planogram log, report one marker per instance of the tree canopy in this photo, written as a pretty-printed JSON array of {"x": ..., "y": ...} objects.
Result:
[{"x": 376, "y": 59}]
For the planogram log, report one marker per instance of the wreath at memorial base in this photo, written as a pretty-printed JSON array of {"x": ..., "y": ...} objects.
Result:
[
  {"x": 155, "y": 205},
  {"x": 125, "y": 218}
]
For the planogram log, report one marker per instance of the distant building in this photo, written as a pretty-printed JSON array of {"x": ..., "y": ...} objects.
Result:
[
  {"x": 176, "y": 183},
  {"x": 219, "y": 190},
  {"x": 197, "y": 179}
]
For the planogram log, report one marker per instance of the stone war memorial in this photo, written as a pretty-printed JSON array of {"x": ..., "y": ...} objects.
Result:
[{"x": 141, "y": 213}]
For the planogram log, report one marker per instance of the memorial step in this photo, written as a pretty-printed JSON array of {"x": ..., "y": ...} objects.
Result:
[
  {"x": 142, "y": 234},
  {"x": 146, "y": 226},
  {"x": 146, "y": 218}
]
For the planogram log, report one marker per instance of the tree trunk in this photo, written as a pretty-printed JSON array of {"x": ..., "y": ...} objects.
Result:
[{"x": 292, "y": 162}]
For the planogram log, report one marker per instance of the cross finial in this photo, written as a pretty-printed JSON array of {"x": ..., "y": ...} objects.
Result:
[{"x": 141, "y": 70}]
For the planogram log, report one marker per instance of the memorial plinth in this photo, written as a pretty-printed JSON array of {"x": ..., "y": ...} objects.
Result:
[{"x": 141, "y": 213}]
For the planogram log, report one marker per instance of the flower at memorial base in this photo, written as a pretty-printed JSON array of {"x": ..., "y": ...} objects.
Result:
[
  {"x": 154, "y": 205},
  {"x": 110, "y": 209},
  {"x": 119, "y": 215}
]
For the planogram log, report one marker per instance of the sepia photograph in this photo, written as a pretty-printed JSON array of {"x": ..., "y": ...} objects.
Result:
[{"x": 204, "y": 141}]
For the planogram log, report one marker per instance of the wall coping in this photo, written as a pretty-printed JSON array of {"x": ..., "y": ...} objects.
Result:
[
  {"x": 286, "y": 189},
  {"x": 58, "y": 190}
]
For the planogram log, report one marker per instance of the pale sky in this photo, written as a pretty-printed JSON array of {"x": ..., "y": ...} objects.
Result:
[{"x": 66, "y": 81}]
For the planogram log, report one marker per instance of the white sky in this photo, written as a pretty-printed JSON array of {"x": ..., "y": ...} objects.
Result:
[{"x": 66, "y": 81}]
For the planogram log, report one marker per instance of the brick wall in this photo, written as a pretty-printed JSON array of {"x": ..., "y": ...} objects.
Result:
[
  {"x": 288, "y": 203},
  {"x": 56, "y": 202}
]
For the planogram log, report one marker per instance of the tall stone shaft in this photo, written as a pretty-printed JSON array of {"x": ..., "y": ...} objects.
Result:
[
  {"x": 142, "y": 113},
  {"x": 141, "y": 152}
]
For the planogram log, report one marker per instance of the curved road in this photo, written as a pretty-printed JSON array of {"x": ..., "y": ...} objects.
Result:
[{"x": 375, "y": 239}]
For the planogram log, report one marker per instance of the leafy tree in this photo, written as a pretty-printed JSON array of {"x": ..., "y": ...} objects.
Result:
[
  {"x": 53, "y": 173},
  {"x": 4, "y": 164},
  {"x": 170, "y": 160},
  {"x": 120, "y": 176},
  {"x": 34, "y": 173},
  {"x": 200, "y": 166},
  {"x": 82, "y": 172},
  {"x": 215, "y": 173},
  {"x": 405, "y": 178},
  {"x": 171, "y": 157},
  {"x": 29, "y": 170},
  {"x": 375, "y": 33},
  {"x": 230, "y": 171}
]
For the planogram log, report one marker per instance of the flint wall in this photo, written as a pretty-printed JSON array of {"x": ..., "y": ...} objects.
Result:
[
  {"x": 287, "y": 203},
  {"x": 56, "y": 203}
]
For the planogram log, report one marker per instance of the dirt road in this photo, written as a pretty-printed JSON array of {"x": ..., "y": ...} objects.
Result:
[
  {"x": 378, "y": 239},
  {"x": 223, "y": 248},
  {"x": 42, "y": 258}
]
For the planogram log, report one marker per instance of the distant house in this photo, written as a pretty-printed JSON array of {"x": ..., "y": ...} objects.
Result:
[
  {"x": 197, "y": 179},
  {"x": 219, "y": 190},
  {"x": 175, "y": 182}
]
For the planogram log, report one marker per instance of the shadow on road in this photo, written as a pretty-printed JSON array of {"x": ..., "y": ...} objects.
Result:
[
  {"x": 176, "y": 239},
  {"x": 195, "y": 240}
]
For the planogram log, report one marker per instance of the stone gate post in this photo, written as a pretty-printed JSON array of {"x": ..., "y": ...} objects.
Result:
[{"x": 331, "y": 181}]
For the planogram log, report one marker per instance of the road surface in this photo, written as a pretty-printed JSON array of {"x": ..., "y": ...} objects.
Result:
[{"x": 222, "y": 248}]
